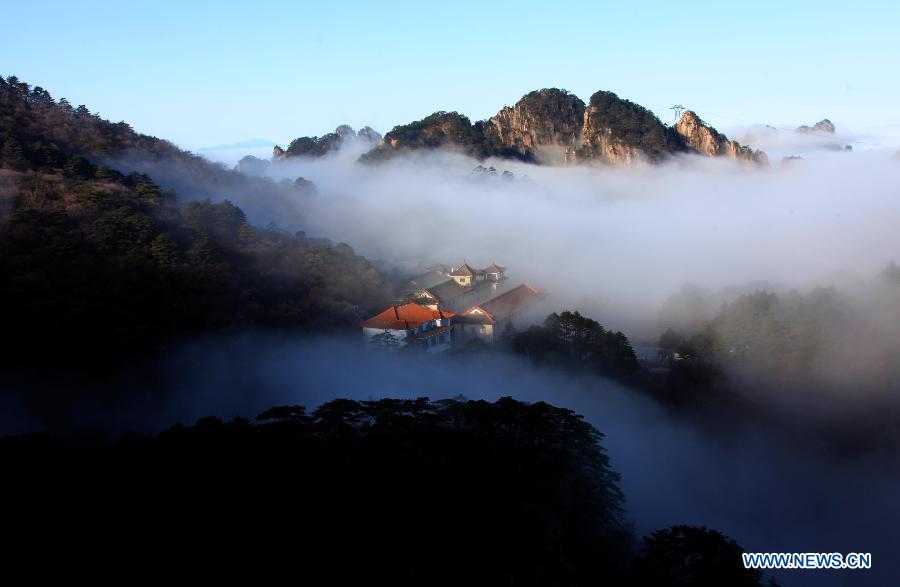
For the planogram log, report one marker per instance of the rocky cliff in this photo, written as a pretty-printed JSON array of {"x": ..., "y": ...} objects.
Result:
[
  {"x": 699, "y": 137},
  {"x": 367, "y": 133},
  {"x": 619, "y": 131},
  {"x": 543, "y": 126},
  {"x": 823, "y": 126},
  {"x": 553, "y": 126}
]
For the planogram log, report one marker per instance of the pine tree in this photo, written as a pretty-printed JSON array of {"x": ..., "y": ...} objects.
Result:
[
  {"x": 385, "y": 340},
  {"x": 164, "y": 250},
  {"x": 12, "y": 154},
  {"x": 246, "y": 234}
]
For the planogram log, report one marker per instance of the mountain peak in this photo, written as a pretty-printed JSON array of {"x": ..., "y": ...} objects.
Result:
[
  {"x": 555, "y": 127},
  {"x": 702, "y": 138},
  {"x": 539, "y": 127},
  {"x": 823, "y": 126},
  {"x": 333, "y": 141}
]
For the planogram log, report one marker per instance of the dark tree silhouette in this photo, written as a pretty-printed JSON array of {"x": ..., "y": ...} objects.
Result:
[
  {"x": 384, "y": 491},
  {"x": 572, "y": 340},
  {"x": 688, "y": 556}
]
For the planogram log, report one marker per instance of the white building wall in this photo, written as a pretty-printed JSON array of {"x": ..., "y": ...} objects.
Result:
[{"x": 401, "y": 335}]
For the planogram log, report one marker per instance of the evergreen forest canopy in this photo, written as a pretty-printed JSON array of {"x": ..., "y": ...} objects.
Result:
[
  {"x": 574, "y": 341},
  {"x": 441, "y": 129},
  {"x": 826, "y": 338},
  {"x": 403, "y": 491}
]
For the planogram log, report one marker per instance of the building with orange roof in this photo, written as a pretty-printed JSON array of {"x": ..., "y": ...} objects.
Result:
[{"x": 410, "y": 323}]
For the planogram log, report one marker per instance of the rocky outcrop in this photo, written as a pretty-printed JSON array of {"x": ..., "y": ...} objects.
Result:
[
  {"x": 345, "y": 132},
  {"x": 446, "y": 130},
  {"x": 250, "y": 165},
  {"x": 823, "y": 131},
  {"x": 542, "y": 126},
  {"x": 481, "y": 172},
  {"x": 823, "y": 126},
  {"x": 701, "y": 138},
  {"x": 619, "y": 131},
  {"x": 604, "y": 146},
  {"x": 369, "y": 134},
  {"x": 553, "y": 126},
  {"x": 305, "y": 186},
  {"x": 320, "y": 146}
]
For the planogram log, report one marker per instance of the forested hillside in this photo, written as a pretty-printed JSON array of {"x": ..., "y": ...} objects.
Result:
[
  {"x": 827, "y": 338},
  {"x": 402, "y": 492},
  {"x": 92, "y": 259}
]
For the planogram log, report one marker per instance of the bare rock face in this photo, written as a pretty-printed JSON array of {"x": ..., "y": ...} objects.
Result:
[
  {"x": 277, "y": 153},
  {"x": 602, "y": 145},
  {"x": 542, "y": 126},
  {"x": 552, "y": 126},
  {"x": 703, "y": 139},
  {"x": 617, "y": 131},
  {"x": 823, "y": 126}
]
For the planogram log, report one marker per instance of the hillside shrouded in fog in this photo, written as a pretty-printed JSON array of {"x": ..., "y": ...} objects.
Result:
[{"x": 769, "y": 484}]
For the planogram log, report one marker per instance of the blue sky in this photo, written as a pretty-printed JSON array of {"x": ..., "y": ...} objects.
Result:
[{"x": 220, "y": 72}]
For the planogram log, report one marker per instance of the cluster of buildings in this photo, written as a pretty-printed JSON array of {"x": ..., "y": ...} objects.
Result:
[
  {"x": 455, "y": 288},
  {"x": 451, "y": 305}
]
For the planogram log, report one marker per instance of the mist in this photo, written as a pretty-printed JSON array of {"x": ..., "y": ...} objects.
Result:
[
  {"x": 758, "y": 481},
  {"x": 626, "y": 238},
  {"x": 616, "y": 243}
]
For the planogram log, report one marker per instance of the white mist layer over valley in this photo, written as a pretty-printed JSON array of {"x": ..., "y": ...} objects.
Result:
[{"x": 622, "y": 238}]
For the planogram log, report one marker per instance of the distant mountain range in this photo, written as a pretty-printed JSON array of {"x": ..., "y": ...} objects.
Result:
[{"x": 549, "y": 126}]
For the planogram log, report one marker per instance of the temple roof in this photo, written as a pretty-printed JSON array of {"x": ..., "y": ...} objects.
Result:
[
  {"x": 506, "y": 304},
  {"x": 425, "y": 281},
  {"x": 448, "y": 290},
  {"x": 405, "y": 316}
]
